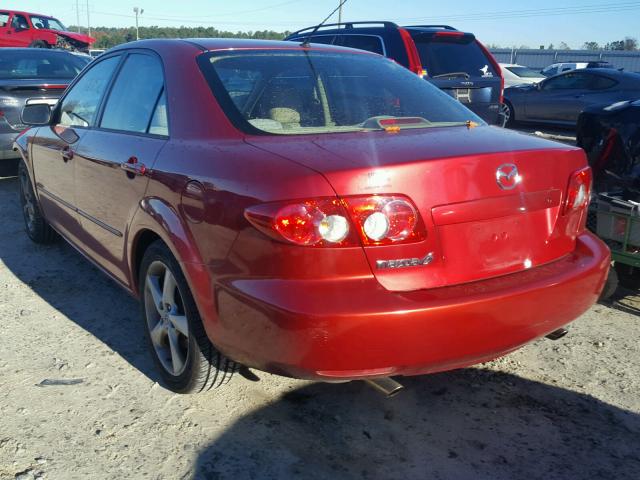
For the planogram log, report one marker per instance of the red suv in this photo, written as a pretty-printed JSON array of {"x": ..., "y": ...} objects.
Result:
[
  {"x": 313, "y": 211},
  {"x": 22, "y": 29}
]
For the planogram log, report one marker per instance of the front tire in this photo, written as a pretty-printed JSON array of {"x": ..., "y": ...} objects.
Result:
[
  {"x": 35, "y": 224},
  {"x": 39, "y": 44},
  {"x": 187, "y": 360},
  {"x": 508, "y": 114}
]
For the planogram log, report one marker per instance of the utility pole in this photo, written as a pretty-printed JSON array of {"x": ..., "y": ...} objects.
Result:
[
  {"x": 88, "y": 19},
  {"x": 78, "y": 15},
  {"x": 137, "y": 11},
  {"x": 340, "y": 12}
]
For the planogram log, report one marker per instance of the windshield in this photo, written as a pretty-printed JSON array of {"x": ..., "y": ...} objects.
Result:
[
  {"x": 298, "y": 92},
  {"x": 440, "y": 56},
  {"x": 47, "y": 22},
  {"x": 524, "y": 72},
  {"x": 39, "y": 63}
]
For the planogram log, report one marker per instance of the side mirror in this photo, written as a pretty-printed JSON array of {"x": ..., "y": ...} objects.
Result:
[{"x": 36, "y": 114}]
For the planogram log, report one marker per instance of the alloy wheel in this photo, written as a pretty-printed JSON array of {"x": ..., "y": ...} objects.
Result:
[{"x": 166, "y": 318}]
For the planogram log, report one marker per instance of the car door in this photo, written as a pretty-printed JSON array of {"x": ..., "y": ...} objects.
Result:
[
  {"x": 19, "y": 32},
  {"x": 54, "y": 145},
  {"x": 5, "y": 37},
  {"x": 113, "y": 159},
  {"x": 600, "y": 90},
  {"x": 556, "y": 97}
]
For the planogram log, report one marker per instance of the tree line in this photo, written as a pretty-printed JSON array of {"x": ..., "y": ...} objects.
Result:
[{"x": 107, "y": 37}]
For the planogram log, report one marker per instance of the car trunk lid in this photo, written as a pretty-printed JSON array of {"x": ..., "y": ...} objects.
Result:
[{"x": 475, "y": 228}]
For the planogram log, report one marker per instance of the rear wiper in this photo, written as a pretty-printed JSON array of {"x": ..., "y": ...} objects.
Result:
[{"x": 465, "y": 75}]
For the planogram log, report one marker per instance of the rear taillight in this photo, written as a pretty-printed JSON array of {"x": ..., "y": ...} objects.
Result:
[
  {"x": 368, "y": 220},
  {"x": 415, "y": 65},
  {"x": 579, "y": 190}
]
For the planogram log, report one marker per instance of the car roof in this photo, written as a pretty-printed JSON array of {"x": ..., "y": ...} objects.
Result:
[
  {"x": 213, "y": 44},
  {"x": 29, "y": 14},
  {"x": 37, "y": 51}
]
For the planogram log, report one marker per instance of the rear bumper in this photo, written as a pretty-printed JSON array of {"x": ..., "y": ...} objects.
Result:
[
  {"x": 355, "y": 328},
  {"x": 489, "y": 112}
]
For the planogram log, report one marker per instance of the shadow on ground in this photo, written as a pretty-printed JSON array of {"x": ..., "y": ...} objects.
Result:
[
  {"x": 467, "y": 424},
  {"x": 72, "y": 285}
]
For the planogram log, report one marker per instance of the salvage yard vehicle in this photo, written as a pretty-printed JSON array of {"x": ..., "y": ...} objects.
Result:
[
  {"x": 454, "y": 61},
  {"x": 515, "y": 74},
  {"x": 559, "y": 100},
  {"x": 23, "y": 29},
  {"x": 610, "y": 135},
  {"x": 556, "y": 68},
  {"x": 313, "y": 211},
  {"x": 29, "y": 76}
]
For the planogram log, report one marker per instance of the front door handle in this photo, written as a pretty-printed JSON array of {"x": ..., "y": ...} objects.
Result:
[
  {"x": 67, "y": 154},
  {"x": 133, "y": 167}
]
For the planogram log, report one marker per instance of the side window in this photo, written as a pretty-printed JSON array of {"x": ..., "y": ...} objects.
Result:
[
  {"x": 601, "y": 83},
  {"x": 134, "y": 95},
  {"x": 19, "y": 22},
  {"x": 80, "y": 107},
  {"x": 569, "y": 81},
  {"x": 4, "y": 19},
  {"x": 159, "y": 124},
  {"x": 369, "y": 43}
]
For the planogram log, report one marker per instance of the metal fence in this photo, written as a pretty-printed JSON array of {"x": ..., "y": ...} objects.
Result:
[{"x": 538, "y": 59}]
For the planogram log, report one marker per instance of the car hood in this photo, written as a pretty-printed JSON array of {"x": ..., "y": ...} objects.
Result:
[{"x": 78, "y": 37}]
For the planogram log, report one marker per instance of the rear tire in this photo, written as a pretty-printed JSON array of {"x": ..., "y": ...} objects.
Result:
[
  {"x": 39, "y": 44},
  {"x": 610, "y": 286},
  {"x": 187, "y": 360},
  {"x": 35, "y": 224}
]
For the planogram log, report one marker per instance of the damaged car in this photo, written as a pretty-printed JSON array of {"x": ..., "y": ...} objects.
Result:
[{"x": 22, "y": 29}]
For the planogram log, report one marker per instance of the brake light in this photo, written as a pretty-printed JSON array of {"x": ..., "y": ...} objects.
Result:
[
  {"x": 448, "y": 33},
  {"x": 375, "y": 219},
  {"x": 415, "y": 65},
  {"x": 579, "y": 190}
]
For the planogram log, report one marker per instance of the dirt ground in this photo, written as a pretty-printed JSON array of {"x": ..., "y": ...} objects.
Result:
[{"x": 79, "y": 398}]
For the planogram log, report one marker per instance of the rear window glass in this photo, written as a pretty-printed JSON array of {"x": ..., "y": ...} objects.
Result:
[
  {"x": 441, "y": 57},
  {"x": 40, "y": 64},
  {"x": 321, "y": 92},
  {"x": 524, "y": 72}
]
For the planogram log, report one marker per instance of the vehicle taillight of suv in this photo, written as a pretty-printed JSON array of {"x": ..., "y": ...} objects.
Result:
[{"x": 454, "y": 61}]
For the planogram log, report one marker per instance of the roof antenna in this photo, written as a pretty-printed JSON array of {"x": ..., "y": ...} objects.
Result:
[{"x": 307, "y": 39}]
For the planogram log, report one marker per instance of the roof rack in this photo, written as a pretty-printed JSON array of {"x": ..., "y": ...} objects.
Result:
[
  {"x": 443, "y": 27},
  {"x": 346, "y": 25}
]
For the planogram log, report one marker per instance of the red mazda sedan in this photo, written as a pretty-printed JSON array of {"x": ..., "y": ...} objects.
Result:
[{"x": 313, "y": 211}]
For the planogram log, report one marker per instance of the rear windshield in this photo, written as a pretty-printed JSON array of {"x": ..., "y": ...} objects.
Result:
[
  {"x": 298, "y": 92},
  {"x": 441, "y": 56},
  {"x": 524, "y": 72},
  {"x": 39, "y": 64}
]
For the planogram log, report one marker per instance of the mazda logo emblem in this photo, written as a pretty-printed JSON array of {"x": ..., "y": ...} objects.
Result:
[{"x": 507, "y": 176}]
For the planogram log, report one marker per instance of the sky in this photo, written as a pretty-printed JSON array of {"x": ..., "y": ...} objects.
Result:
[{"x": 501, "y": 22}]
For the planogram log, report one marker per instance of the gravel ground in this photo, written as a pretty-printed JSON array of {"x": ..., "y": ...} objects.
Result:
[{"x": 79, "y": 398}]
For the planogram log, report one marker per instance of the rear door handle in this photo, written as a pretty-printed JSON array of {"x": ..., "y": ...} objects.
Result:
[
  {"x": 67, "y": 154},
  {"x": 132, "y": 166}
]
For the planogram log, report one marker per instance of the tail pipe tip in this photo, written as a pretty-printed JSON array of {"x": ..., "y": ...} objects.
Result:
[
  {"x": 557, "y": 334},
  {"x": 387, "y": 386}
]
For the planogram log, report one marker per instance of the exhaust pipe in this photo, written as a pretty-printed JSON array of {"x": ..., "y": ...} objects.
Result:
[
  {"x": 557, "y": 334},
  {"x": 387, "y": 385}
]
